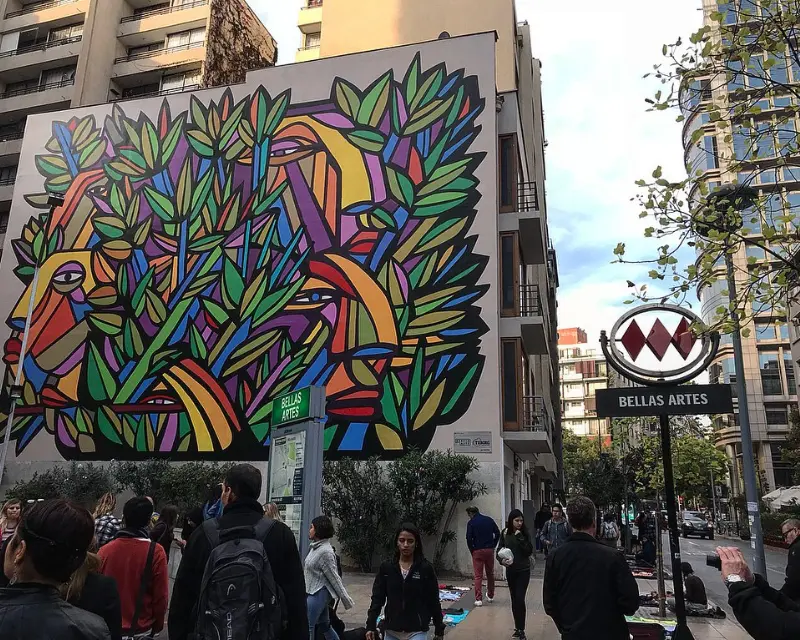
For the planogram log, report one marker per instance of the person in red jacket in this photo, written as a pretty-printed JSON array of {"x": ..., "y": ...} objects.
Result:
[{"x": 125, "y": 559}]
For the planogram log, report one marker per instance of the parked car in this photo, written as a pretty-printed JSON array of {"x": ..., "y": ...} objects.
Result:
[{"x": 694, "y": 526}]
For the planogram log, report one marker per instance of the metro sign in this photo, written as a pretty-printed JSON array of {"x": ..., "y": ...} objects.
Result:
[{"x": 640, "y": 339}]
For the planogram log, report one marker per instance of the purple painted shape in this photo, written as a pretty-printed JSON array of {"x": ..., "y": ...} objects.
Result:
[
  {"x": 376, "y": 177},
  {"x": 407, "y": 230},
  {"x": 108, "y": 352},
  {"x": 403, "y": 280},
  {"x": 401, "y": 108},
  {"x": 436, "y": 130},
  {"x": 400, "y": 157},
  {"x": 63, "y": 434},
  {"x": 78, "y": 296},
  {"x": 170, "y": 433},
  {"x": 310, "y": 214},
  {"x": 330, "y": 312},
  {"x": 386, "y": 124},
  {"x": 265, "y": 388},
  {"x": 311, "y": 109},
  {"x": 348, "y": 227},
  {"x": 74, "y": 358},
  {"x": 335, "y": 120}
]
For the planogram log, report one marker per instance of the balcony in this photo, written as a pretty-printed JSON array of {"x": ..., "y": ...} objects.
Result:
[
  {"x": 535, "y": 433},
  {"x": 310, "y": 18},
  {"x": 304, "y": 54},
  {"x": 546, "y": 466},
  {"x": 523, "y": 215},
  {"x": 528, "y": 320},
  {"x": 158, "y": 22},
  {"x": 144, "y": 61},
  {"x": 64, "y": 51},
  {"x": 32, "y": 97},
  {"x": 42, "y": 14},
  {"x": 11, "y": 142},
  {"x": 133, "y": 94}
]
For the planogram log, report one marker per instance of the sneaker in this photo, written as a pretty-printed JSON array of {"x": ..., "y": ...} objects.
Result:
[
  {"x": 479, "y": 603},
  {"x": 516, "y": 633},
  {"x": 490, "y": 600},
  {"x": 522, "y": 636}
]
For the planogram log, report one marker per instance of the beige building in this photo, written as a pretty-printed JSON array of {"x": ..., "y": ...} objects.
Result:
[
  {"x": 59, "y": 54},
  {"x": 769, "y": 368},
  {"x": 583, "y": 371},
  {"x": 527, "y": 269}
]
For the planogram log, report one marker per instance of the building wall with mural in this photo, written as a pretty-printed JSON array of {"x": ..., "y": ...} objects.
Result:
[{"x": 331, "y": 223}]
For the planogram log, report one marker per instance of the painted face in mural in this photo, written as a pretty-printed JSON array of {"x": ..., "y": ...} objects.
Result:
[{"x": 206, "y": 262}]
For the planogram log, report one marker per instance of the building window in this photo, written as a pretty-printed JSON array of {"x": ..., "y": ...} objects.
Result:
[
  {"x": 765, "y": 331},
  {"x": 508, "y": 172},
  {"x": 756, "y": 253},
  {"x": 511, "y": 386},
  {"x": 788, "y": 365},
  {"x": 776, "y": 415},
  {"x": 770, "y": 373},
  {"x": 509, "y": 273},
  {"x": 181, "y": 81},
  {"x": 312, "y": 40},
  {"x": 186, "y": 38}
]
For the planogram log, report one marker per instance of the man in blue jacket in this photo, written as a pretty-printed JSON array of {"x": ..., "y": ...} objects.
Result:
[{"x": 482, "y": 538}]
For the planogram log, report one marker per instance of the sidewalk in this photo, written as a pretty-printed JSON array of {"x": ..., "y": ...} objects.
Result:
[{"x": 493, "y": 621}]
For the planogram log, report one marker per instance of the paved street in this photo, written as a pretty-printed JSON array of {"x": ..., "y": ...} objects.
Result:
[{"x": 694, "y": 550}]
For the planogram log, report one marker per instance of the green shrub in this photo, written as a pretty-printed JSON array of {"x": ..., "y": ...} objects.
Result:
[{"x": 83, "y": 483}]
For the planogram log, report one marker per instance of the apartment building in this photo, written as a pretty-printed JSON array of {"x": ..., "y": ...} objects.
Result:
[
  {"x": 530, "y": 425},
  {"x": 583, "y": 370},
  {"x": 769, "y": 367},
  {"x": 58, "y": 54}
]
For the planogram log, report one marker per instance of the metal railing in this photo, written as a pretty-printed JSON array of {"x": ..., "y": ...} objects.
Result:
[
  {"x": 157, "y": 11},
  {"x": 12, "y": 135},
  {"x": 157, "y": 52},
  {"x": 535, "y": 416},
  {"x": 42, "y": 46},
  {"x": 152, "y": 94},
  {"x": 527, "y": 196},
  {"x": 529, "y": 301},
  {"x": 38, "y": 6},
  {"x": 8, "y": 181},
  {"x": 42, "y": 87}
]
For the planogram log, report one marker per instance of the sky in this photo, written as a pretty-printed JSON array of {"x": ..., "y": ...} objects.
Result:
[{"x": 601, "y": 138}]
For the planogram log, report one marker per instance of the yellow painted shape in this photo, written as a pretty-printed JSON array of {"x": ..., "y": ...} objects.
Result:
[
  {"x": 68, "y": 384},
  {"x": 354, "y": 180},
  {"x": 389, "y": 438}
]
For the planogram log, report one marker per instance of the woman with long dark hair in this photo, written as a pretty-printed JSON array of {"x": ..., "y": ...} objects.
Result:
[
  {"x": 408, "y": 586},
  {"x": 514, "y": 553},
  {"x": 164, "y": 530},
  {"x": 91, "y": 591},
  {"x": 50, "y": 544}
]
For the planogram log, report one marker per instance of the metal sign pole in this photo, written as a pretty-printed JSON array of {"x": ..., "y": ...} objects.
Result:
[{"x": 682, "y": 630}]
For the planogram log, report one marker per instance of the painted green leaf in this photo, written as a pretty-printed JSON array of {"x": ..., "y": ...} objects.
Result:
[
  {"x": 59, "y": 184},
  {"x": 142, "y": 232},
  {"x": 92, "y": 153},
  {"x": 232, "y": 282},
  {"x": 109, "y": 226},
  {"x": 107, "y": 323},
  {"x": 401, "y": 186},
  {"x": 462, "y": 386},
  {"x": 183, "y": 194},
  {"x": 132, "y": 343},
  {"x": 198, "y": 345},
  {"x": 161, "y": 204},
  {"x": 51, "y": 165},
  {"x": 201, "y": 143},
  {"x": 100, "y": 380},
  {"x": 206, "y": 243},
  {"x": 346, "y": 97},
  {"x": 371, "y": 141},
  {"x": 427, "y": 115},
  {"x": 276, "y": 112},
  {"x": 219, "y": 314},
  {"x": 155, "y": 307},
  {"x": 170, "y": 142},
  {"x": 374, "y": 104},
  {"x": 109, "y": 424},
  {"x": 428, "y": 89},
  {"x": 200, "y": 284},
  {"x": 231, "y": 124},
  {"x": 411, "y": 81},
  {"x": 150, "y": 145},
  {"x": 199, "y": 114},
  {"x": 201, "y": 193},
  {"x": 258, "y": 114}
]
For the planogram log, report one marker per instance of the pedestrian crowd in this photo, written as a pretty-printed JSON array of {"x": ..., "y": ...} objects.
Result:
[{"x": 71, "y": 575}]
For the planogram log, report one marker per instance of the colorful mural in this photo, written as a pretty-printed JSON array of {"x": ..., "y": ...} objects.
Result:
[{"x": 206, "y": 261}]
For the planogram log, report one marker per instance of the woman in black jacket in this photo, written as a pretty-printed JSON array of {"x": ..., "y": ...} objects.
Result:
[
  {"x": 91, "y": 591},
  {"x": 516, "y": 539},
  {"x": 408, "y": 587}
]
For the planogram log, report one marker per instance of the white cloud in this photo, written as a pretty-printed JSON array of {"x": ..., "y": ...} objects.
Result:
[{"x": 600, "y": 137}]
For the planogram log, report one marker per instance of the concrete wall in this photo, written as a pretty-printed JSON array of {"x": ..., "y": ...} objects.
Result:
[
  {"x": 237, "y": 42},
  {"x": 353, "y": 25},
  {"x": 100, "y": 48}
]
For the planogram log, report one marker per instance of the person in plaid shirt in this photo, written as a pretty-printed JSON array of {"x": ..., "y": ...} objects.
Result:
[{"x": 106, "y": 525}]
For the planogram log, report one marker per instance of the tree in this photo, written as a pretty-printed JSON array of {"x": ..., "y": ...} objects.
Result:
[
  {"x": 590, "y": 472},
  {"x": 790, "y": 452},
  {"x": 741, "y": 75},
  {"x": 82, "y": 483},
  {"x": 428, "y": 487}
]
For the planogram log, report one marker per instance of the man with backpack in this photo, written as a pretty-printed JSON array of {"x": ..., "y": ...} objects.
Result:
[
  {"x": 241, "y": 575},
  {"x": 609, "y": 531}
]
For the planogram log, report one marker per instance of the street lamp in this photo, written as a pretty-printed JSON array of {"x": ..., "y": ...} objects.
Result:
[
  {"x": 730, "y": 199},
  {"x": 15, "y": 392}
]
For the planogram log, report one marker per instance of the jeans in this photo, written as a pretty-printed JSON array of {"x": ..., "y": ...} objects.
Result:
[
  {"x": 317, "y": 605},
  {"x": 483, "y": 559},
  {"x": 420, "y": 635},
  {"x": 518, "y": 582}
]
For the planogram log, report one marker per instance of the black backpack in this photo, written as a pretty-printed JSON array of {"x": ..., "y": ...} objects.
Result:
[{"x": 239, "y": 599}]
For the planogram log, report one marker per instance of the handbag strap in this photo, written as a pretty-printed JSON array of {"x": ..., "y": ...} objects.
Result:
[{"x": 148, "y": 571}]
